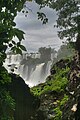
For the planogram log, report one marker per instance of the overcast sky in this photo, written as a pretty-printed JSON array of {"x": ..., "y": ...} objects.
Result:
[{"x": 36, "y": 34}]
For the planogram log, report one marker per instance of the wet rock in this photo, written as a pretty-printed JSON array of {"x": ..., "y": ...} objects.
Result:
[
  {"x": 52, "y": 71},
  {"x": 25, "y": 103},
  {"x": 71, "y": 110},
  {"x": 50, "y": 100}
]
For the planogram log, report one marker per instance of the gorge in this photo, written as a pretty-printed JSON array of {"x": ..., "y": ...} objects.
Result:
[
  {"x": 46, "y": 77},
  {"x": 32, "y": 67}
]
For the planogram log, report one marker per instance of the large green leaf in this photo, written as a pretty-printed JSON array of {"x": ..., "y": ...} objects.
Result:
[
  {"x": 22, "y": 47},
  {"x": 19, "y": 34},
  {"x": 18, "y": 51}
]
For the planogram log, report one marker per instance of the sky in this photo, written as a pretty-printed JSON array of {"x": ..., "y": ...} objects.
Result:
[{"x": 36, "y": 34}]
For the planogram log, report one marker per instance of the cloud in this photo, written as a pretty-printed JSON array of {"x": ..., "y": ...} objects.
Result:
[{"x": 36, "y": 34}]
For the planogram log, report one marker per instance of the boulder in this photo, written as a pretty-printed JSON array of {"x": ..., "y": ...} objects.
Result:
[{"x": 25, "y": 103}]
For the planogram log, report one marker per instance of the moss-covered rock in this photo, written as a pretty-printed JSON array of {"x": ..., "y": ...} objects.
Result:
[
  {"x": 71, "y": 110},
  {"x": 52, "y": 93},
  {"x": 60, "y": 94}
]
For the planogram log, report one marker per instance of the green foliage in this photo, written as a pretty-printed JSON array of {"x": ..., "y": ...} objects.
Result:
[
  {"x": 68, "y": 18},
  {"x": 8, "y": 11},
  {"x": 4, "y": 77},
  {"x": 7, "y": 100},
  {"x": 19, "y": 34},
  {"x": 57, "y": 83},
  {"x": 58, "y": 114},
  {"x": 65, "y": 51},
  {"x": 42, "y": 17},
  {"x": 57, "y": 110},
  {"x": 64, "y": 100},
  {"x": 43, "y": 3},
  {"x": 7, "y": 106}
]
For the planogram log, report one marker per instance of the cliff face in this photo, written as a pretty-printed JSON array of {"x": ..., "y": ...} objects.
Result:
[
  {"x": 25, "y": 102},
  {"x": 56, "y": 99},
  {"x": 60, "y": 94},
  {"x": 71, "y": 109}
]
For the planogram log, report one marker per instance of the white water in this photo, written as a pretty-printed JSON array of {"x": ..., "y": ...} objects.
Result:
[
  {"x": 32, "y": 74},
  {"x": 35, "y": 77}
]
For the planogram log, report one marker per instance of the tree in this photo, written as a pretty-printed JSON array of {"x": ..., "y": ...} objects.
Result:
[
  {"x": 68, "y": 20},
  {"x": 65, "y": 51},
  {"x": 8, "y": 11}
]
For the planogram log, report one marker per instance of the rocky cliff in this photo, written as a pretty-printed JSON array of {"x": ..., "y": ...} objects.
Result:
[
  {"x": 25, "y": 103},
  {"x": 56, "y": 99},
  {"x": 60, "y": 94}
]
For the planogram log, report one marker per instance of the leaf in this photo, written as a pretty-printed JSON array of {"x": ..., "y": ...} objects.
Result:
[
  {"x": 13, "y": 49},
  {"x": 18, "y": 51},
  {"x": 19, "y": 34},
  {"x": 42, "y": 17},
  {"x": 10, "y": 45},
  {"x": 4, "y": 47},
  {"x": 18, "y": 44},
  {"x": 22, "y": 47},
  {"x": 13, "y": 24},
  {"x": 14, "y": 42}
]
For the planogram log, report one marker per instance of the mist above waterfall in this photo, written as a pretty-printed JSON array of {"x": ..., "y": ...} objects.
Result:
[
  {"x": 35, "y": 67},
  {"x": 32, "y": 67}
]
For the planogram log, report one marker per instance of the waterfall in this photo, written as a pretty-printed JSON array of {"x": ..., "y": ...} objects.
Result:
[
  {"x": 39, "y": 75},
  {"x": 31, "y": 69},
  {"x": 35, "y": 77}
]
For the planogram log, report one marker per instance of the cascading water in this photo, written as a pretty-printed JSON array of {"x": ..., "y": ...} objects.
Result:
[
  {"x": 35, "y": 77},
  {"x": 33, "y": 68}
]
